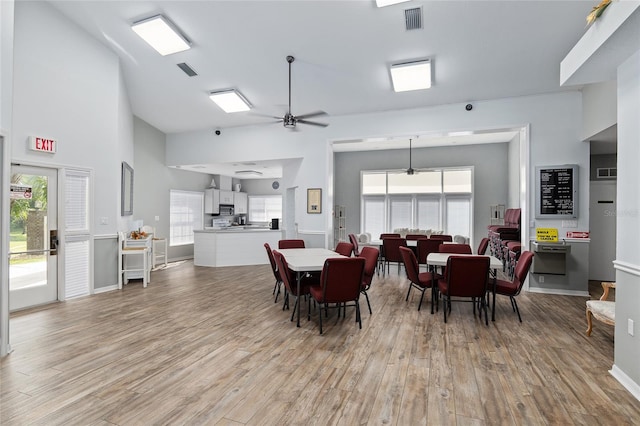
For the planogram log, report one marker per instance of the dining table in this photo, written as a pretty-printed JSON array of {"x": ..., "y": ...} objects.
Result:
[
  {"x": 440, "y": 259},
  {"x": 306, "y": 260}
]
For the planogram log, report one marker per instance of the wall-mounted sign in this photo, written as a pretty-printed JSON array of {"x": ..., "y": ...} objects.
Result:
[
  {"x": 42, "y": 144},
  {"x": 547, "y": 234},
  {"x": 577, "y": 234},
  {"x": 557, "y": 192},
  {"x": 20, "y": 192}
]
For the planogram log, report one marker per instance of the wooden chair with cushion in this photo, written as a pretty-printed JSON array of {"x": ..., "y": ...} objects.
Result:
[
  {"x": 466, "y": 276},
  {"x": 419, "y": 280},
  {"x": 603, "y": 310}
]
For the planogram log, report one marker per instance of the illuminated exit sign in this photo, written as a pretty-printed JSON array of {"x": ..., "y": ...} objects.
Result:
[{"x": 43, "y": 145}]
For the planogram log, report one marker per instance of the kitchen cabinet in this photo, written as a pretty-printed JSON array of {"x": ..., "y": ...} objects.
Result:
[
  {"x": 212, "y": 201},
  {"x": 226, "y": 197},
  {"x": 240, "y": 202}
]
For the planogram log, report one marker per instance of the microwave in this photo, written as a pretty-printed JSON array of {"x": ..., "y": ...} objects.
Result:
[{"x": 226, "y": 210}]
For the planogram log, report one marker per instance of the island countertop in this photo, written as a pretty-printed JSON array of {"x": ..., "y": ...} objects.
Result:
[{"x": 233, "y": 246}]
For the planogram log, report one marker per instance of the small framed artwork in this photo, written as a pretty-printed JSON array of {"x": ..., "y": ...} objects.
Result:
[{"x": 314, "y": 200}]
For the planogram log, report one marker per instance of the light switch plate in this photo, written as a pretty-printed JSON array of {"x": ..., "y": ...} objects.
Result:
[
  {"x": 569, "y": 223},
  {"x": 157, "y": 218},
  {"x": 630, "y": 326},
  {"x": 104, "y": 220}
]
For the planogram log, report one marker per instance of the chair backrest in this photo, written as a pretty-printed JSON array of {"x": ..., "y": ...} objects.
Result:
[
  {"x": 455, "y": 248},
  {"x": 467, "y": 276},
  {"x": 484, "y": 244},
  {"x": 383, "y": 236},
  {"x": 285, "y": 275},
  {"x": 341, "y": 279},
  {"x": 391, "y": 248},
  {"x": 354, "y": 240},
  {"x": 370, "y": 256},
  {"x": 344, "y": 248},
  {"x": 410, "y": 264},
  {"x": 416, "y": 237},
  {"x": 441, "y": 237},
  {"x": 290, "y": 244},
  {"x": 426, "y": 247},
  {"x": 522, "y": 269},
  {"x": 274, "y": 267}
]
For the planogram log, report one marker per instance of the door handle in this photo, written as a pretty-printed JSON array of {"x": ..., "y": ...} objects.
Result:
[{"x": 53, "y": 242}]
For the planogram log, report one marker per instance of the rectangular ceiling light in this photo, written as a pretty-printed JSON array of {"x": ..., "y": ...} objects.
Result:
[
  {"x": 230, "y": 100},
  {"x": 161, "y": 34},
  {"x": 411, "y": 76},
  {"x": 383, "y": 3}
]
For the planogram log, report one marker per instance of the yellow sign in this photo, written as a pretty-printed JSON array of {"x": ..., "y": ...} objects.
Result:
[{"x": 547, "y": 234}]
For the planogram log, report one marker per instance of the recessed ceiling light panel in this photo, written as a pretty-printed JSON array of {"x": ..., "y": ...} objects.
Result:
[
  {"x": 411, "y": 76},
  {"x": 230, "y": 100},
  {"x": 161, "y": 34},
  {"x": 383, "y": 3}
]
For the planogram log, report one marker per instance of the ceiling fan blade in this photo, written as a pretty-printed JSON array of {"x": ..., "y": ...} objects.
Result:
[
  {"x": 313, "y": 123},
  {"x": 311, "y": 114}
]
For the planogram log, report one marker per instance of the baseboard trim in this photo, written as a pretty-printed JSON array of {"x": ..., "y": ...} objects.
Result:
[
  {"x": 105, "y": 289},
  {"x": 558, "y": 292},
  {"x": 625, "y": 381}
]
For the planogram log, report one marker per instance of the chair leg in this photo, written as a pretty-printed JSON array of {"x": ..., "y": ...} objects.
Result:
[
  {"x": 421, "y": 297},
  {"x": 285, "y": 305},
  {"x": 295, "y": 306},
  {"x": 410, "y": 285},
  {"x": 513, "y": 300},
  {"x": 368, "y": 304},
  {"x": 320, "y": 315},
  {"x": 358, "y": 317},
  {"x": 589, "y": 322},
  {"x": 444, "y": 307}
]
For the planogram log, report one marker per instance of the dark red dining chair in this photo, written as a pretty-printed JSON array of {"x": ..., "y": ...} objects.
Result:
[
  {"x": 466, "y": 276},
  {"x": 389, "y": 235},
  {"x": 344, "y": 248},
  {"x": 370, "y": 256},
  {"x": 290, "y": 283},
  {"x": 513, "y": 288},
  {"x": 455, "y": 248},
  {"x": 484, "y": 244},
  {"x": 416, "y": 237},
  {"x": 391, "y": 247},
  {"x": 441, "y": 237},
  {"x": 276, "y": 273},
  {"x": 425, "y": 248},
  {"x": 419, "y": 280},
  {"x": 340, "y": 283},
  {"x": 290, "y": 244},
  {"x": 354, "y": 240}
]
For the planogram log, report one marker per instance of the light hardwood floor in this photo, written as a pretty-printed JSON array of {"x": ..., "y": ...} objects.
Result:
[{"x": 209, "y": 346}]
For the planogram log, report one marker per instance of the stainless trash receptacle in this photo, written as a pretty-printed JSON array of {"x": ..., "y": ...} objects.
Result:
[{"x": 550, "y": 258}]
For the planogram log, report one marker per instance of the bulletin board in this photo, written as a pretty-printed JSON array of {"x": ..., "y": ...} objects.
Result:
[{"x": 557, "y": 191}]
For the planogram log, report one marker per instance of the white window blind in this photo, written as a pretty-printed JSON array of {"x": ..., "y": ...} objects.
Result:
[
  {"x": 263, "y": 208},
  {"x": 76, "y": 265},
  {"x": 77, "y": 243},
  {"x": 373, "y": 217},
  {"x": 428, "y": 213},
  {"x": 458, "y": 216},
  {"x": 186, "y": 209},
  {"x": 400, "y": 212}
]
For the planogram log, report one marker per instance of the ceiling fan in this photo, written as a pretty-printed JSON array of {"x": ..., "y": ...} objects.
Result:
[{"x": 289, "y": 120}]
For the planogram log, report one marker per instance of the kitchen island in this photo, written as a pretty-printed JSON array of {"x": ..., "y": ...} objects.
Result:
[{"x": 233, "y": 246}]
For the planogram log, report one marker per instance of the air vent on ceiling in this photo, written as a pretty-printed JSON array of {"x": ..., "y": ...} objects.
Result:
[
  {"x": 413, "y": 18},
  {"x": 187, "y": 69}
]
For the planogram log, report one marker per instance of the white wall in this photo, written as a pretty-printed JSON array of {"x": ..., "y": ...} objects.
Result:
[
  {"x": 627, "y": 348},
  {"x": 67, "y": 86},
  {"x": 153, "y": 180},
  {"x": 599, "y": 106},
  {"x": 513, "y": 161}
]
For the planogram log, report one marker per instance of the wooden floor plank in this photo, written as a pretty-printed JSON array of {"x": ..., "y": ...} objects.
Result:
[{"x": 209, "y": 346}]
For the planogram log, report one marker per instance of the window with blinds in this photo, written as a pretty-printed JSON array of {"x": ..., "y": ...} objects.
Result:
[
  {"x": 77, "y": 234},
  {"x": 436, "y": 199},
  {"x": 186, "y": 209},
  {"x": 263, "y": 208}
]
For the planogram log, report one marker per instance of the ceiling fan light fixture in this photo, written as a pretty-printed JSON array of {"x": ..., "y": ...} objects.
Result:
[
  {"x": 383, "y": 3},
  {"x": 230, "y": 100},
  {"x": 411, "y": 76},
  {"x": 161, "y": 34}
]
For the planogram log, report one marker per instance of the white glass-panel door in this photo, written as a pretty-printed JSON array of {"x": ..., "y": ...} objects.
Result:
[{"x": 33, "y": 260}]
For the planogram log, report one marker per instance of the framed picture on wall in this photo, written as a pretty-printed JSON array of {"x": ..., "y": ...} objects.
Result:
[{"x": 314, "y": 200}]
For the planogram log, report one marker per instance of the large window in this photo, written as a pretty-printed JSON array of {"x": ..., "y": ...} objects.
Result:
[
  {"x": 436, "y": 199},
  {"x": 185, "y": 216},
  {"x": 263, "y": 208}
]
